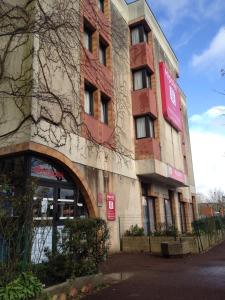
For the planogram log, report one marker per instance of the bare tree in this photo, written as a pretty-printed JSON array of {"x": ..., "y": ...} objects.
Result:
[{"x": 40, "y": 43}]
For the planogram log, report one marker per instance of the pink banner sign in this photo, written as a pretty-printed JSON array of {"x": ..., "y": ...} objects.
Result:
[
  {"x": 176, "y": 174},
  {"x": 170, "y": 97}
]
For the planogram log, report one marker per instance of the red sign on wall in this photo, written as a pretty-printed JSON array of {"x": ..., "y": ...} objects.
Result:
[
  {"x": 176, "y": 174},
  {"x": 110, "y": 207},
  {"x": 170, "y": 97}
]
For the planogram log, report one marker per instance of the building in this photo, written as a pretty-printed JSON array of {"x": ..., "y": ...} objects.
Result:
[
  {"x": 211, "y": 209},
  {"x": 93, "y": 110}
]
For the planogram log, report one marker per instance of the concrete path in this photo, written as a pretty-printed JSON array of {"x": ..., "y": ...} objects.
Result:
[{"x": 194, "y": 277}]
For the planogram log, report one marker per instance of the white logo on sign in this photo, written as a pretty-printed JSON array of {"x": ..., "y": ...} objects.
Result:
[
  {"x": 172, "y": 96},
  {"x": 111, "y": 206}
]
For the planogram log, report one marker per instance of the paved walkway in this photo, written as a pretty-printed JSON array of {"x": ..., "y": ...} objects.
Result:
[{"x": 194, "y": 277}]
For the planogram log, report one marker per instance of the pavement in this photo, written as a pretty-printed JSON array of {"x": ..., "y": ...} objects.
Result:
[{"x": 193, "y": 277}]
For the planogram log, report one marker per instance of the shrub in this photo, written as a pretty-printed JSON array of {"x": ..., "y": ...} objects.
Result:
[
  {"x": 84, "y": 245},
  {"x": 163, "y": 230},
  {"x": 24, "y": 287},
  {"x": 135, "y": 230}
]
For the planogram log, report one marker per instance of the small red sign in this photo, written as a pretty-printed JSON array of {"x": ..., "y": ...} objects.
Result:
[
  {"x": 170, "y": 97},
  {"x": 110, "y": 207}
]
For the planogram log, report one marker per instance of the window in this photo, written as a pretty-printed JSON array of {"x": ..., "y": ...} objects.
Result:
[
  {"x": 87, "y": 37},
  {"x": 89, "y": 100},
  {"x": 144, "y": 127},
  {"x": 102, "y": 53},
  {"x": 149, "y": 214},
  {"x": 182, "y": 213},
  {"x": 104, "y": 109},
  {"x": 138, "y": 35},
  {"x": 141, "y": 79},
  {"x": 168, "y": 213},
  {"x": 101, "y": 5}
]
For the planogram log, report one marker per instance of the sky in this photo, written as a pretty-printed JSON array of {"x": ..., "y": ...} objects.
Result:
[{"x": 196, "y": 32}]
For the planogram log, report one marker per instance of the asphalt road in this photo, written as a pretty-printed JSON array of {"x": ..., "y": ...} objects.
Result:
[{"x": 194, "y": 277}]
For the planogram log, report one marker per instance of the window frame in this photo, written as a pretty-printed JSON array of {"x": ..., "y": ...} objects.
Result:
[
  {"x": 89, "y": 31},
  {"x": 148, "y": 120},
  {"x": 166, "y": 212},
  {"x": 90, "y": 89},
  {"x": 103, "y": 47},
  {"x": 101, "y": 5},
  {"x": 105, "y": 100},
  {"x": 146, "y": 79},
  {"x": 142, "y": 34}
]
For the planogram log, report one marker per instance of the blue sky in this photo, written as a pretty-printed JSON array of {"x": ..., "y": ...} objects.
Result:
[{"x": 196, "y": 32}]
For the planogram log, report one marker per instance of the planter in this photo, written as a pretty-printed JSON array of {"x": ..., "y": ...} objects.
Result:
[
  {"x": 135, "y": 244},
  {"x": 155, "y": 243}
]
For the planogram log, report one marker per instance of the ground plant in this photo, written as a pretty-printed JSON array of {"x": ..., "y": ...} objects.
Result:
[
  {"x": 25, "y": 286},
  {"x": 135, "y": 230}
]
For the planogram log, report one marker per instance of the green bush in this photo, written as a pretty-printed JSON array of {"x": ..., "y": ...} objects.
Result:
[
  {"x": 24, "y": 287},
  {"x": 84, "y": 246},
  {"x": 163, "y": 230},
  {"x": 86, "y": 243},
  {"x": 135, "y": 230},
  {"x": 208, "y": 225}
]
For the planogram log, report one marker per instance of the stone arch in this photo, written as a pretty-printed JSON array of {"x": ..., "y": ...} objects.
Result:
[{"x": 62, "y": 159}]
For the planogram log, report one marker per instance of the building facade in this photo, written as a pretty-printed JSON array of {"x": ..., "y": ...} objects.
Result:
[{"x": 101, "y": 122}]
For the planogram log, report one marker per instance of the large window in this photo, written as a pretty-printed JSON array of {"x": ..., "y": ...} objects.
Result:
[
  {"x": 141, "y": 79},
  {"x": 144, "y": 127},
  {"x": 138, "y": 35},
  {"x": 89, "y": 99},
  {"x": 102, "y": 52},
  {"x": 168, "y": 213},
  {"x": 182, "y": 217},
  {"x": 88, "y": 33},
  {"x": 104, "y": 109}
]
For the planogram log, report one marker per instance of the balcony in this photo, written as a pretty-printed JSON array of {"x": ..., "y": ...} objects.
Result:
[
  {"x": 141, "y": 55},
  {"x": 98, "y": 131},
  {"x": 143, "y": 102},
  {"x": 147, "y": 148},
  {"x": 161, "y": 172}
]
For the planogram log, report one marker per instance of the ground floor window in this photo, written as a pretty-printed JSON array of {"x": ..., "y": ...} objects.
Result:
[
  {"x": 149, "y": 214},
  {"x": 168, "y": 213},
  {"x": 182, "y": 217},
  {"x": 51, "y": 197}
]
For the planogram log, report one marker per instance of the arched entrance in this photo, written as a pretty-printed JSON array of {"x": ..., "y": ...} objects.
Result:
[{"x": 59, "y": 195}]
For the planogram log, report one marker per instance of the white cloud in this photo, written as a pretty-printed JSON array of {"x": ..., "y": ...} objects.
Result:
[
  {"x": 214, "y": 55},
  {"x": 208, "y": 149},
  {"x": 174, "y": 13}
]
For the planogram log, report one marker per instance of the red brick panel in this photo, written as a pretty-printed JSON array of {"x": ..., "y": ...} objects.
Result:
[
  {"x": 141, "y": 55},
  {"x": 99, "y": 131},
  {"x": 143, "y": 102},
  {"x": 89, "y": 11},
  {"x": 97, "y": 74},
  {"x": 147, "y": 148},
  {"x": 104, "y": 26}
]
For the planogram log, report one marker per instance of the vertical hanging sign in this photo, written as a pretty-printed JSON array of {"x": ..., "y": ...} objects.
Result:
[
  {"x": 110, "y": 207},
  {"x": 170, "y": 97}
]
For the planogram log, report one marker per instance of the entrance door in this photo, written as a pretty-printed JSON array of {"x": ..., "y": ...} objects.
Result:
[{"x": 53, "y": 204}]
